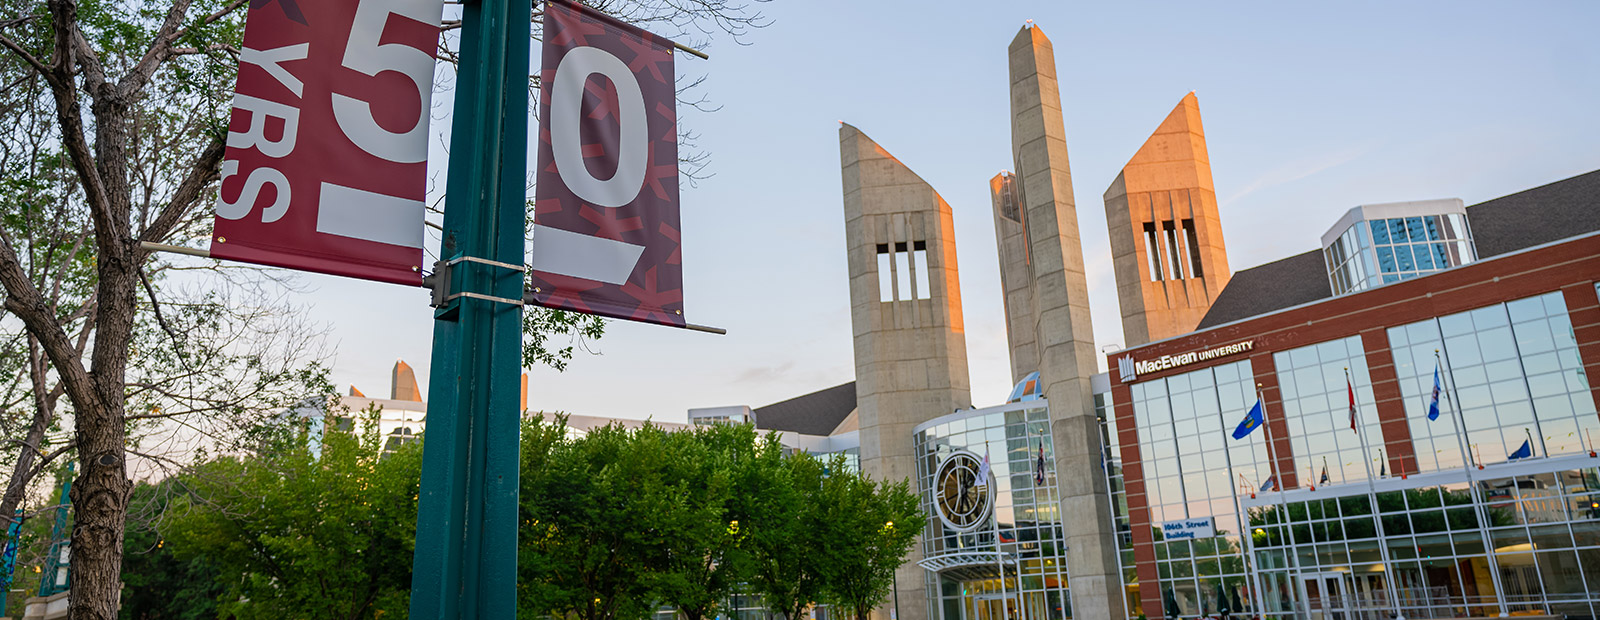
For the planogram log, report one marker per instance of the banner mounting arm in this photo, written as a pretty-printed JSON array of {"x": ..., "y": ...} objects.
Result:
[
  {"x": 150, "y": 246},
  {"x": 691, "y": 50}
]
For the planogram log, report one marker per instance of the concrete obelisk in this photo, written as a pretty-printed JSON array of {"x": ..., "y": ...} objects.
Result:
[
  {"x": 905, "y": 311},
  {"x": 1064, "y": 333},
  {"x": 1166, "y": 234}
]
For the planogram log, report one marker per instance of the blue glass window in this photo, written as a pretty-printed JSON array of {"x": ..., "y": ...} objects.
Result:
[
  {"x": 1424, "y": 258},
  {"x": 1387, "y": 278},
  {"x": 1402, "y": 258},
  {"x": 1441, "y": 256},
  {"x": 1414, "y": 227},
  {"x": 1432, "y": 223},
  {"x": 1386, "y": 260},
  {"x": 1380, "y": 231},
  {"x": 1397, "y": 230}
]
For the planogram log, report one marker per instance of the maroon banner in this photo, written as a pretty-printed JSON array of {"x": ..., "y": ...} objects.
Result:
[
  {"x": 605, "y": 235},
  {"x": 326, "y": 166}
]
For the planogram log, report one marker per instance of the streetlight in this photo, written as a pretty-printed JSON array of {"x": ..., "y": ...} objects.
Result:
[{"x": 895, "y": 576}]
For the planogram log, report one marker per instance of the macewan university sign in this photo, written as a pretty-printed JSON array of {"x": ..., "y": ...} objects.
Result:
[{"x": 1130, "y": 368}]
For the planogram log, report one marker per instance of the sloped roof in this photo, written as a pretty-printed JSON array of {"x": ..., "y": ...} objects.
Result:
[
  {"x": 1299, "y": 279},
  {"x": 1540, "y": 215},
  {"x": 817, "y": 413},
  {"x": 1547, "y": 213}
]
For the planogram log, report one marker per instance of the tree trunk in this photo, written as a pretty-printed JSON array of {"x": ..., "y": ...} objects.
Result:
[{"x": 100, "y": 494}]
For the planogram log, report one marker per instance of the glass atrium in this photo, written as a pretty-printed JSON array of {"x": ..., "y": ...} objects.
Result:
[
  {"x": 1011, "y": 563},
  {"x": 1373, "y": 249}
]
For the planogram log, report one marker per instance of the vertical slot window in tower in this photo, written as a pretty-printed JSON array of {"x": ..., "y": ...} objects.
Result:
[
  {"x": 1152, "y": 252},
  {"x": 885, "y": 276},
  {"x": 902, "y": 267},
  {"x": 919, "y": 258},
  {"x": 1175, "y": 257},
  {"x": 1193, "y": 242}
]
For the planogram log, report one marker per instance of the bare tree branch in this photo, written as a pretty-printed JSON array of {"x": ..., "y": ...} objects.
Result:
[
  {"x": 160, "y": 50},
  {"x": 205, "y": 169}
]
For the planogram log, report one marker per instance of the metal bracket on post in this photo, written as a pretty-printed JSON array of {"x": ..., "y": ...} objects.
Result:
[{"x": 439, "y": 281}]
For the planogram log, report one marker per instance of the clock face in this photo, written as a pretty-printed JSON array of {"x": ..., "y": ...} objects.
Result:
[{"x": 960, "y": 502}]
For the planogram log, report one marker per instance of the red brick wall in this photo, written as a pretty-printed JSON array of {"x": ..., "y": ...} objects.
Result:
[
  {"x": 1401, "y": 453},
  {"x": 1584, "y": 310}
]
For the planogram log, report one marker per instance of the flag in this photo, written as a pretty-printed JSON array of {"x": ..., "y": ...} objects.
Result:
[
  {"x": 983, "y": 473},
  {"x": 1352, "y": 389},
  {"x": 1271, "y": 483},
  {"x": 337, "y": 186},
  {"x": 1038, "y": 468},
  {"x": 1433, "y": 402},
  {"x": 1524, "y": 452},
  {"x": 606, "y": 233},
  {"x": 1324, "y": 479},
  {"x": 1383, "y": 468},
  {"x": 1250, "y": 422}
]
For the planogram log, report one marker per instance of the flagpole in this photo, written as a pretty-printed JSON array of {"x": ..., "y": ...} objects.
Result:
[
  {"x": 1255, "y": 465},
  {"x": 1389, "y": 574},
  {"x": 1238, "y": 518},
  {"x": 1479, "y": 510},
  {"x": 1279, "y": 482}
]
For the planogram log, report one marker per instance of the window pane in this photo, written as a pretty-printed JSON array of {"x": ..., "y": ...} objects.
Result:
[
  {"x": 1424, "y": 258},
  {"x": 1386, "y": 260},
  {"x": 1397, "y": 230},
  {"x": 1432, "y": 223},
  {"x": 1402, "y": 258},
  {"x": 1415, "y": 230},
  {"x": 1380, "y": 231}
]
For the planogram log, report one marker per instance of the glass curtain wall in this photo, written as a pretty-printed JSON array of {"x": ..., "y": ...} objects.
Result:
[
  {"x": 1511, "y": 376},
  {"x": 1336, "y": 566},
  {"x": 1185, "y": 423},
  {"x": 1027, "y": 510},
  {"x": 1118, "y": 494},
  {"x": 1316, "y": 406},
  {"x": 1509, "y": 372}
]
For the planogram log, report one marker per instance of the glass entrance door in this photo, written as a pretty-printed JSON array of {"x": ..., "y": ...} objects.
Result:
[
  {"x": 1326, "y": 596},
  {"x": 992, "y": 606}
]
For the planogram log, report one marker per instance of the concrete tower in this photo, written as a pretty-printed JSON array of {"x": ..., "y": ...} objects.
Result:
[
  {"x": 403, "y": 383},
  {"x": 1166, "y": 237},
  {"x": 905, "y": 308},
  {"x": 1016, "y": 274},
  {"x": 1063, "y": 334}
]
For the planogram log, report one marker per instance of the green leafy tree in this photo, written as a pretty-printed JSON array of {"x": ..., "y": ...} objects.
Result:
[
  {"x": 785, "y": 566},
  {"x": 870, "y": 527},
  {"x": 708, "y": 558},
  {"x": 294, "y": 535},
  {"x": 157, "y": 583},
  {"x": 598, "y": 524}
]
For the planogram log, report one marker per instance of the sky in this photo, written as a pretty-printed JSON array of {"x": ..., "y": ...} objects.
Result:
[{"x": 1308, "y": 109}]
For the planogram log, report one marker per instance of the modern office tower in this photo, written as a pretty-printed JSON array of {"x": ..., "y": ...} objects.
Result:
[
  {"x": 1016, "y": 274},
  {"x": 1166, "y": 237},
  {"x": 905, "y": 298},
  {"x": 1064, "y": 335},
  {"x": 1390, "y": 242}
]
